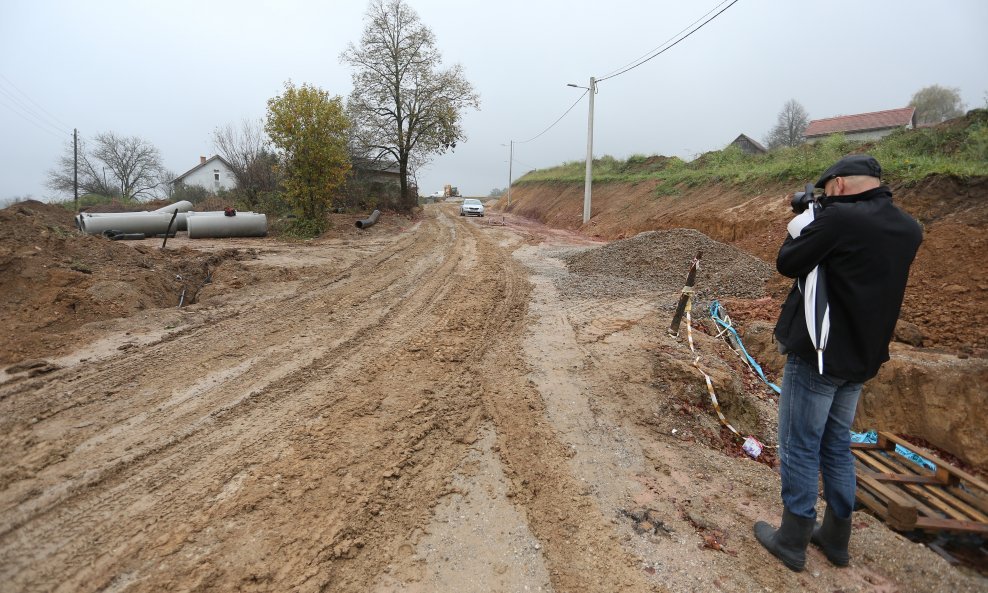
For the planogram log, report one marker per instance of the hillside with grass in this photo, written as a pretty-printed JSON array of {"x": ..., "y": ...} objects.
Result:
[{"x": 958, "y": 148}]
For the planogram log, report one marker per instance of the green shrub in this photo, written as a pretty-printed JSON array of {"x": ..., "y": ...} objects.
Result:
[{"x": 299, "y": 228}]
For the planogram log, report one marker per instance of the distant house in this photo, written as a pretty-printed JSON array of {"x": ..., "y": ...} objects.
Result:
[
  {"x": 748, "y": 145},
  {"x": 213, "y": 174},
  {"x": 863, "y": 126}
]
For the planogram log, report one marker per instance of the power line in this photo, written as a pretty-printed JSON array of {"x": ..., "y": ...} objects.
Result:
[
  {"x": 18, "y": 104},
  {"x": 525, "y": 164},
  {"x": 649, "y": 52},
  {"x": 39, "y": 105},
  {"x": 40, "y": 124},
  {"x": 668, "y": 47},
  {"x": 557, "y": 121}
]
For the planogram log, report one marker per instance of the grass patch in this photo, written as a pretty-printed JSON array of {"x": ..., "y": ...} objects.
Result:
[
  {"x": 957, "y": 148},
  {"x": 80, "y": 266}
]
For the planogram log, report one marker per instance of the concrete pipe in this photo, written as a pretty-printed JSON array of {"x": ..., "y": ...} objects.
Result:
[
  {"x": 204, "y": 225},
  {"x": 145, "y": 222},
  {"x": 178, "y": 225},
  {"x": 369, "y": 221},
  {"x": 183, "y": 206}
]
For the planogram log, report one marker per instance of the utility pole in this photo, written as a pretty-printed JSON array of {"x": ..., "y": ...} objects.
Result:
[
  {"x": 511, "y": 160},
  {"x": 75, "y": 163},
  {"x": 592, "y": 89}
]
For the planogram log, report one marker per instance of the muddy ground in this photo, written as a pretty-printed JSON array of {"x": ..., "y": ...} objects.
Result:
[
  {"x": 934, "y": 389},
  {"x": 435, "y": 404}
]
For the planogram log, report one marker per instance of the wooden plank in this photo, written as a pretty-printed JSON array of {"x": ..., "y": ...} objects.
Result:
[
  {"x": 888, "y": 442},
  {"x": 940, "y": 492},
  {"x": 920, "y": 505},
  {"x": 954, "y": 471},
  {"x": 932, "y": 524},
  {"x": 908, "y": 496},
  {"x": 875, "y": 465},
  {"x": 874, "y": 504},
  {"x": 978, "y": 502},
  {"x": 934, "y": 496},
  {"x": 902, "y": 513},
  {"x": 866, "y": 446},
  {"x": 904, "y": 479}
]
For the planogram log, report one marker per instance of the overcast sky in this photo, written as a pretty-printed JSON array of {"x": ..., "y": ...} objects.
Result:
[{"x": 172, "y": 71}]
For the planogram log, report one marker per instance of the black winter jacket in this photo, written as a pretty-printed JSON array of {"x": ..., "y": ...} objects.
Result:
[{"x": 865, "y": 245}]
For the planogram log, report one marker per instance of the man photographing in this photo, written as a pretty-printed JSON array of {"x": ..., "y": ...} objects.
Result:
[{"x": 864, "y": 245}]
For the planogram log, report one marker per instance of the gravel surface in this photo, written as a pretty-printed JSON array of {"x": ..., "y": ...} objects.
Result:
[{"x": 658, "y": 261}]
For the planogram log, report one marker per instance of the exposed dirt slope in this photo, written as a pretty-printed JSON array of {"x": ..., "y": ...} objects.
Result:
[
  {"x": 948, "y": 286},
  {"x": 936, "y": 395}
]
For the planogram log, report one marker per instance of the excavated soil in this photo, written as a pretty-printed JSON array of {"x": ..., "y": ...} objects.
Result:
[
  {"x": 948, "y": 282},
  {"x": 933, "y": 391},
  {"x": 437, "y": 404}
]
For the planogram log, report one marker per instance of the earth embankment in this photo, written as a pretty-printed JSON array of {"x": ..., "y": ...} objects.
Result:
[{"x": 944, "y": 316}]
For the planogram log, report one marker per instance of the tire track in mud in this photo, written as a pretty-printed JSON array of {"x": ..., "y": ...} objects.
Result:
[
  {"x": 582, "y": 551},
  {"x": 433, "y": 292},
  {"x": 308, "y": 443}
]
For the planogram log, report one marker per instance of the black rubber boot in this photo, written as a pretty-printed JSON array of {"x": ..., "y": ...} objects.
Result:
[
  {"x": 788, "y": 542},
  {"x": 832, "y": 536}
]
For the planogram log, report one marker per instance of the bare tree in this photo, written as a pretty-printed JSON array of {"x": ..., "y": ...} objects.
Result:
[
  {"x": 247, "y": 151},
  {"x": 935, "y": 104},
  {"x": 92, "y": 174},
  {"x": 134, "y": 162},
  {"x": 789, "y": 127},
  {"x": 403, "y": 105}
]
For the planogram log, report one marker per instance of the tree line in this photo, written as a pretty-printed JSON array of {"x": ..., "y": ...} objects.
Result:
[
  {"x": 405, "y": 108},
  {"x": 933, "y": 104}
]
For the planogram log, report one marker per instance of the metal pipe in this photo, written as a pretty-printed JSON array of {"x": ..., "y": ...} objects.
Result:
[{"x": 369, "y": 221}]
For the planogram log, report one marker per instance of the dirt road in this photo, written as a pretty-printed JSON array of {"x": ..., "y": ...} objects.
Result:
[{"x": 426, "y": 410}]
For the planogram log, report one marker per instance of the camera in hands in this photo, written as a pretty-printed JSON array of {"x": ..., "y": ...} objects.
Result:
[{"x": 801, "y": 200}]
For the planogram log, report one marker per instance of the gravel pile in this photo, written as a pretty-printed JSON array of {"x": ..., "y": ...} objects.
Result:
[{"x": 658, "y": 261}]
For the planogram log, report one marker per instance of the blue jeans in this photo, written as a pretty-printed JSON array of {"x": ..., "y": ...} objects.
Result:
[{"x": 815, "y": 416}]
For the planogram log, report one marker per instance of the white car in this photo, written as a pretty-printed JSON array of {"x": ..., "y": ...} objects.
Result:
[{"x": 471, "y": 207}]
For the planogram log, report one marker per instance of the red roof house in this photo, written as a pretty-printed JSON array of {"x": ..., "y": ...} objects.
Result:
[{"x": 863, "y": 126}]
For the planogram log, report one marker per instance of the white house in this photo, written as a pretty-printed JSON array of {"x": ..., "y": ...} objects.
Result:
[{"x": 213, "y": 174}]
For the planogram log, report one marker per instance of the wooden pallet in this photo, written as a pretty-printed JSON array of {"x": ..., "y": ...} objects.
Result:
[{"x": 909, "y": 496}]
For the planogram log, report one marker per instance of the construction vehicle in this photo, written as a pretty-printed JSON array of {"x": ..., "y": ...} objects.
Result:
[{"x": 450, "y": 191}]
